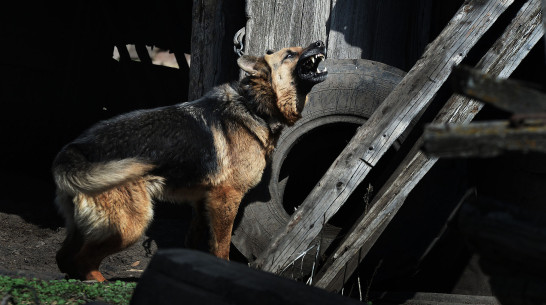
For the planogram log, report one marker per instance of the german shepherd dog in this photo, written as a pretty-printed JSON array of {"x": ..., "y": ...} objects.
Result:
[{"x": 208, "y": 152}]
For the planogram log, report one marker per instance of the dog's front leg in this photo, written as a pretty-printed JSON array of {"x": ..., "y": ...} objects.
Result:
[{"x": 222, "y": 205}]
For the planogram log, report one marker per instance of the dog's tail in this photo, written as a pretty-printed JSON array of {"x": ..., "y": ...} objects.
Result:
[{"x": 73, "y": 173}]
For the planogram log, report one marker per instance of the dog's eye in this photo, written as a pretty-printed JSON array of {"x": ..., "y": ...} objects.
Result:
[{"x": 289, "y": 55}]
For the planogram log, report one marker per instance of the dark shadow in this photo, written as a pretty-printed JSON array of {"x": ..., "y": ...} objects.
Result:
[
  {"x": 259, "y": 193},
  {"x": 392, "y": 32},
  {"x": 58, "y": 78},
  {"x": 170, "y": 225},
  {"x": 421, "y": 248}
]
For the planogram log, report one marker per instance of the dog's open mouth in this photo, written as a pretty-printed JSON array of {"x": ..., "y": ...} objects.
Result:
[{"x": 309, "y": 65}]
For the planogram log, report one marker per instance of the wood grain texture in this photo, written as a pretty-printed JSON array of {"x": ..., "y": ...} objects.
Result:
[
  {"x": 213, "y": 61},
  {"x": 279, "y": 24},
  {"x": 501, "y": 60},
  {"x": 391, "y": 32},
  {"x": 384, "y": 31},
  {"x": 351, "y": 29},
  {"x": 483, "y": 139},
  {"x": 387, "y": 123},
  {"x": 509, "y": 95},
  {"x": 207, "y": 35}
]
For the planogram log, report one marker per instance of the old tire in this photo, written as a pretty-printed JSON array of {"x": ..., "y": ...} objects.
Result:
[{"x": 336, "y": 108}]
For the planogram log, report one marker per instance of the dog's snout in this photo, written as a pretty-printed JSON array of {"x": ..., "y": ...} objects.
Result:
[{"x": 319, "y": 44}]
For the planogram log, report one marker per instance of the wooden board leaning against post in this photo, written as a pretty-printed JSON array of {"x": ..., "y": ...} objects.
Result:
[
  {"x": 387, "y": 123},
  {"x": 514, "y": 44}
]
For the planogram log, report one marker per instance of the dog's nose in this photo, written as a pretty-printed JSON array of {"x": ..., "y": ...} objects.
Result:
[{"x": 319, "y": 44}]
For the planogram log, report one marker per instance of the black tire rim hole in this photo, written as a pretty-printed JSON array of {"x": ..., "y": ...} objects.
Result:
[{"x": 309, "y": 159}]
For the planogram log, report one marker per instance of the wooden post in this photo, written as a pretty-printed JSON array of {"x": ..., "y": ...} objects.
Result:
[
  {"x": 279, "y": 24},
  {"x": 379, "y": 30},
  {"x": 206, "y": 36},
  {"x": 517, "y": 40},
  {"x": 376, "y": 136},
  {"x": 213, "y": 60},
  {"x": 391, "y": 32}
]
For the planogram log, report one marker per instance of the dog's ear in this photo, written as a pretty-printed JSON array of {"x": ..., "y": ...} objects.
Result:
[{"x": 248, "y": 63}]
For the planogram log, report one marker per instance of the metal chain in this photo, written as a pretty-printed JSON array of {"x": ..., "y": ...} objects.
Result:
[{"x": 238, "y": 42}]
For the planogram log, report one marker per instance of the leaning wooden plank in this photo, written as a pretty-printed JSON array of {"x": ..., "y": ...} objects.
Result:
[
  {"x": 508, "y": 95},
  {"x": 387, "y": 123},
  {"x": 180, "y": 276},
  {"x": 544, "y": 20},
  {"x": 501, "y": 60},
  {"x": 483, "y": 139}
]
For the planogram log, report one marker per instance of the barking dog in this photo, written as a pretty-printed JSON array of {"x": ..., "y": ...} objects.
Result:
[{"x": 209, "y": 152}]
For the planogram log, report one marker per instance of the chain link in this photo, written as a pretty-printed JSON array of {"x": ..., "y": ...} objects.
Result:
[{"x": 238, "y": 42}]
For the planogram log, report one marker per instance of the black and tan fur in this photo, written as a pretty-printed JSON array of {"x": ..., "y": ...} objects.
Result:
[{"x": 209, "y": 152}]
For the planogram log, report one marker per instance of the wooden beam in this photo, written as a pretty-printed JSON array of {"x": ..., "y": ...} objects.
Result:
[
  {"x": 391, "y": 32},
  {"x": 350, "y": 28},
  {"x": 376, "y": 136},
  {"x": 544, "y": 22},
  {"x": 501, "y": 60},
  {"x": 508, "y": 95},
  {"x": 206, "y": 40},
  {"x": 278, "y": 24},
  {"x": 214, "y": 22},
  {"x": 483, "y": 139}
]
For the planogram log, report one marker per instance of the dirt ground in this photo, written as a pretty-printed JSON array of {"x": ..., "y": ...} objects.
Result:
[{"x": 30, "y": 237}]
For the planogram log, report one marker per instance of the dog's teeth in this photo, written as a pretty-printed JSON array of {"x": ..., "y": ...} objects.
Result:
[
  {"x": 313, "y": 59},
  {"x": 321, "y": 70}
]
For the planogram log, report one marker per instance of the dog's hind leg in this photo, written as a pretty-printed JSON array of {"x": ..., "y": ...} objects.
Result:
[
  {"x": 91, "y": 255},
  {"x": 221, "y": 205},
  {"x": 74, "y": 238},
  {"x": 110, "y": 222}
]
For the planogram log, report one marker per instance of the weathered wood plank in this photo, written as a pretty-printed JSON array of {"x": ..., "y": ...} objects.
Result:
[
  {"x": 278, "y": 24},
  {"x": 483, "y": 139},
  {"x": 207, "y": 34},
  {"x": 544, "y": 20},
  {"x": 387, "y": 123},
  {"x": 508, "y": 95},
  {"x": 391, "y": 32},
  {"x": 384, "y": 31},
  {"x": 214, "y": 23},
  {"x": 501, "y": 60}
]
